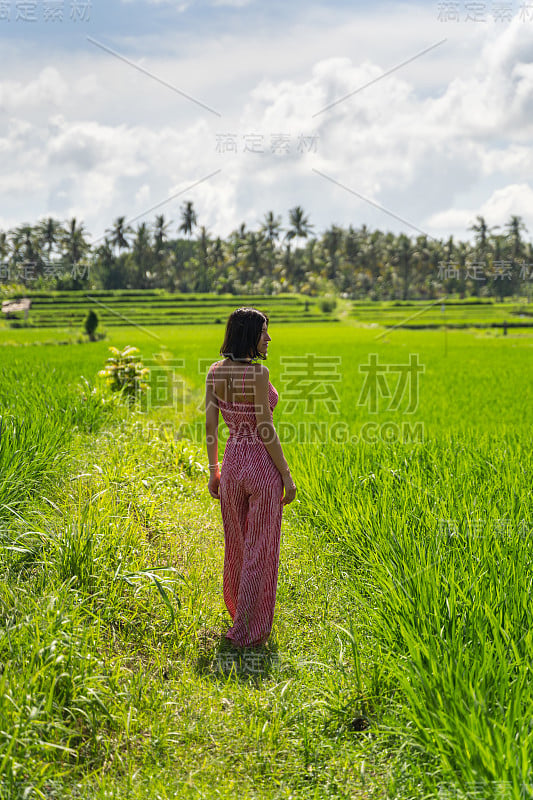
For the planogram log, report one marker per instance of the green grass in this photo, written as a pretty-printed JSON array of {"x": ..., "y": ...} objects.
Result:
[{"x": 400, "y": 664}]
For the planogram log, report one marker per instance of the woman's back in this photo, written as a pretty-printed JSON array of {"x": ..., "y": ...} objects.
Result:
[{"x": 235, "y": 396}]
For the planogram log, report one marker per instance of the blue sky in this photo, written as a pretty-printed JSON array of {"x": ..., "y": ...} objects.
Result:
[{"x": 225, "y": 104}]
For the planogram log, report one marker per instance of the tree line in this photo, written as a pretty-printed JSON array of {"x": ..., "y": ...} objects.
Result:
[{"x": 354, "y": 262}]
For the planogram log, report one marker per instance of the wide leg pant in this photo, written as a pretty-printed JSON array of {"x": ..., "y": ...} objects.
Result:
[{"x": 251, "y": 490}]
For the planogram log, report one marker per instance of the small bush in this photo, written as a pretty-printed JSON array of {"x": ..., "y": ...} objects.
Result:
[
  {"x": 327, "y": 305},
  {"x": 124, "y": 372},
  {"x": 91, "y": 323}
]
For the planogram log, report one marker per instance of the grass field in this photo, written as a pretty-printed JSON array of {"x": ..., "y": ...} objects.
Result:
[{"x": 400, "y": 663}]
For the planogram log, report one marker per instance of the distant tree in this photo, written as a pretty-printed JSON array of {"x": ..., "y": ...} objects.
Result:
[
  {"x": 73, "y": 247},
  {"x": 142, "y": 256},
  {"x": 217, "y": 254},
  {"x": 299, "y": 228},
  {"x": 26, "y": 247},
  {"x": 4, "y": 246},
  {"x": 237, "y": 241},
  {"x": 516, "y": 249},
  {"x": 108, "y": 273},
  {"x": 252, "y": 254},
  {"x": 119, "y": 233},
  {"x": 332, "y": 242},
  {"x": 188, "y": 219},
  {"x": 160, "y": 232},
  {"x": 270, "y": 229},
  {"x": 50, "y": 232},
  {"x": 202, "y": 284},
  {"x": 482, "y": 247},
  {"x": 422, "y": 266},
  {"x": 404, "y": 261}
]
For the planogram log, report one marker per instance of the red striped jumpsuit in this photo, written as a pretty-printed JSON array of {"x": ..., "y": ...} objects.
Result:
[{"x": 251, "y": 491}]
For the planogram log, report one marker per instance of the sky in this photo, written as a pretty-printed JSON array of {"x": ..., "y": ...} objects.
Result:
[{"x": 405, "y": 117}]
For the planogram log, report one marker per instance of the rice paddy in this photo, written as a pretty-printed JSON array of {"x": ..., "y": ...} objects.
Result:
[{"x": 401, "y": 657}]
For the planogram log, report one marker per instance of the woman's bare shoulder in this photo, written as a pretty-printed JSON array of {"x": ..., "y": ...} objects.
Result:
[
  {"x": 211, "y": 371},
  {"x": 261, "y": 371}
]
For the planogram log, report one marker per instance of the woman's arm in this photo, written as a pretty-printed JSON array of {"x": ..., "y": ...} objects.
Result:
[
  {"x": 211, "y": 430},
  {"x": 265, "y": 423}
]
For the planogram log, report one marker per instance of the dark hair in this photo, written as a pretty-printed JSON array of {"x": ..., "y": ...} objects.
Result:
[{"x": 243, "y": 331}]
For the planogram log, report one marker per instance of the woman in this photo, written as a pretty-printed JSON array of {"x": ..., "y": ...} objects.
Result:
[{"x": 254, "y": 475}]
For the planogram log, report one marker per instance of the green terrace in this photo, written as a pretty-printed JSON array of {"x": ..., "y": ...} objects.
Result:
[
  {"x": 453, "y": 314},
  {"x": 114, "y": 308}
]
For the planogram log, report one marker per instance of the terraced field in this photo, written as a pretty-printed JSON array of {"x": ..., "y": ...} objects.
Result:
[
  {"x": 117, "y": 308},
  {"x": 454, "y": 314}
]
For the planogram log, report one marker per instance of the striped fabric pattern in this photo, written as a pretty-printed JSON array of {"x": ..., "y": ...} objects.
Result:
[{"x": 251, "y": 490}]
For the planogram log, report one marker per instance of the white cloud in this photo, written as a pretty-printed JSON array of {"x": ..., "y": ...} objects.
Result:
[
  {"x": 47, "y": 92},
  {"x": 515, "y": 199},
  {"x": 437, "y": 142}
]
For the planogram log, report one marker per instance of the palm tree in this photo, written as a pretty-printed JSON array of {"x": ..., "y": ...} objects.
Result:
[
  {"x": 4, "y": 246},
  {"x": 27, "y": 245},
  {"x": 202, "y": 283},
  {"x": 217, "y": 254},
  {"x": 482, "y": 245},
  {"x": 300, "y": 228},
  {"x": 529, "y": 262},
  {"x": 142, "y": 255},
  {"x": 50, "y": 231},
  {"x": 252, "y": 252},
  {"x": 498, "y": 253},
  {"x": 73, "y": 241},
  {"x": 160, "y": 233},
  {"x": 188, "y": 216},
  {"x": 403, "y": 258},
  {"x": 74, "y": 247},
  {"x": 15, "y": 245},
  {"x": 369, "y": 257},
  {"x": 164, "y": 261},
  {"x": 351, "y": 246},
  {"x": 514, "y": 228},
  {"x": 310, "y": 266},
  {"x": 237, "y": 241},
  {"x": 332, "y": 241},
  {"x": 271, "y": 229},
  {"x": 422, "y": 257},
  {"x": 107, "y": 274},
  {"x": 481, "y": 230},
  {"x": 119, "y": 232}
]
